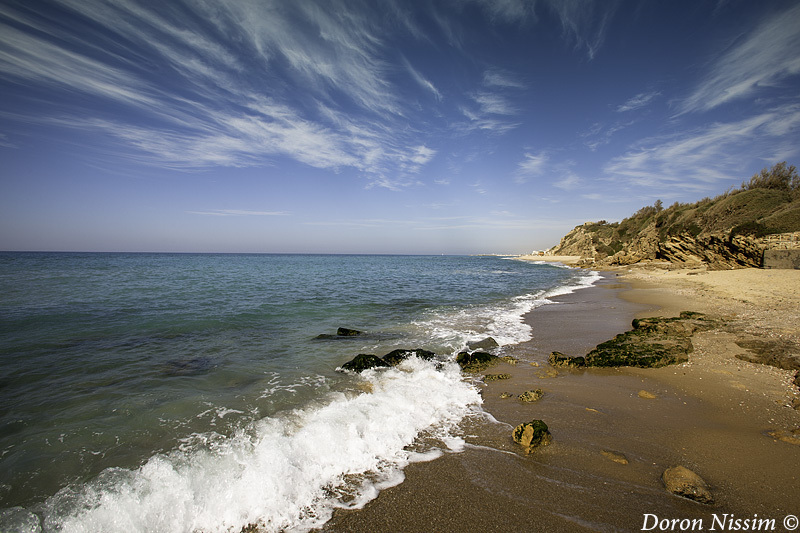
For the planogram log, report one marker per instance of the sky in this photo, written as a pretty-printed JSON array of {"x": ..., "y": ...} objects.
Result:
[{"x": 379, "y": 126}]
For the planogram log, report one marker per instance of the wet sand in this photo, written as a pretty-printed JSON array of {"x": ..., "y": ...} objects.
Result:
[{"x": 711, "y": 415}]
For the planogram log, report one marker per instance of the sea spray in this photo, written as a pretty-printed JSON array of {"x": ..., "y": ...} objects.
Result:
[{"x": 285, "y": 472}]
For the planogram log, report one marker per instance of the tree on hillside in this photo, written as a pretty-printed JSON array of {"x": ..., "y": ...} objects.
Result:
[{"x": 780, "y": 177}]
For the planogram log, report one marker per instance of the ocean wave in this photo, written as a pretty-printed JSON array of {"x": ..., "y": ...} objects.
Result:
[{"x": 286, "y": 472}]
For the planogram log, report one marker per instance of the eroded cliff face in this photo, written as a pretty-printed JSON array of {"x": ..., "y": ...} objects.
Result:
[{"x": 717, "y": 250}]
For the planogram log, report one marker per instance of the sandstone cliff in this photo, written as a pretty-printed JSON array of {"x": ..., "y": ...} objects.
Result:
[{"x": 730, "y": 231}]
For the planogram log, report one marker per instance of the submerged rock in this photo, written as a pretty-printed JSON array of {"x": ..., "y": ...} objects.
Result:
[
  {"x": 363, "y": 362},
  {"x": 532, "y": 395},
  {"x": 683, "y": 482},
  {"x": 615, "y": 456},
  {"x": 476, "y": 361},
  {"x": 647, "y": 395},
  {"x": 495, "y": 377},
  {"x": 486, "y": 344},
  {"x": 341, "y": 333},
  {"x": 395, "y": 357},
  {"x": 532, "y": 434}
]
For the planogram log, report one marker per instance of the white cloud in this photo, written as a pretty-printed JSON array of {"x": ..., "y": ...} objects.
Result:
[
  {"x": 707, "y": 155},
  {"x": 766, "y": 57},
  {"x": 422, "y": 81},
  {"x": 638, "y": 101},
  {"x": 532, "y": 165},
  {"x": 500, "y": 78},
  {"x": 210, "y": 113}
]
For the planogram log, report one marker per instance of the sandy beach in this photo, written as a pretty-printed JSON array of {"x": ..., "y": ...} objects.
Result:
[{"x": 615, "y": 431}]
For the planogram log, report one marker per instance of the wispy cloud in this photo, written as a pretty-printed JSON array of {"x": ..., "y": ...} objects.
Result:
[
  {"x": 694, "y": 160},
  {"x": 239, "y": 213},
  {"x": 532, "y": 165},
  {"x": 202, "y": 110},
  {"x": 584, "y": 22},
  {"x": 764, "y": 58},
  {"x": 638, "y": 101},
  {"x": 422, "y": 81},
  {"x": 500, "y": 78}
]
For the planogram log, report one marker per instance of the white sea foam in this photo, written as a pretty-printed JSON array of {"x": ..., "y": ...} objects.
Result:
[
  {"x": 283, "y": 473},
  {"x": 503, "y": 321}
]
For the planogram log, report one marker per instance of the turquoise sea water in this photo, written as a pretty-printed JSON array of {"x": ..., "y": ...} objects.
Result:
[{"x": 181, "y": 392}]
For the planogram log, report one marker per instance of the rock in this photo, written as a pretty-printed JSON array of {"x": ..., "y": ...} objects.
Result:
[
  {"x": 495, "y": 377},
  {"x": 647, "y": 395},
  {"x": 796, "y": 404},
  {"x": 531, "y": 395},
  {"x": 615, "y": 456},
  {"x": 534, "y": 364},
  {"x": 362, "y": 362},
  {"x": 475, "y": 361},
  {"x": 510, "y": 360},
  {"x": 505, "y": 395},
  {"x": 790, "y": 437},
  {"x": 486, "y": 344},
  {"x": 532, "y": 434},
  {"x": 560, "y": 359},
  {"x": 780, "y": 353},
  {"x": 340, "y": 333},
  {"x": 395, "y": 357},
  {"x": 653, "y": 342},
  {"x": 683, "y": 482}
]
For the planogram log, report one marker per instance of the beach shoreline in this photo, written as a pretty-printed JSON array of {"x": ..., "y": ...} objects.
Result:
[{"x": 729, "y": 420}]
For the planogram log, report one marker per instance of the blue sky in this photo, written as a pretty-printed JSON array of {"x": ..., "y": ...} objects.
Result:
[{"x": 379, "y": 126}]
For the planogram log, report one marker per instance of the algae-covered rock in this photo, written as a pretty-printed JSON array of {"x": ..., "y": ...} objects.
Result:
[
  {"x": 683, "y": 482},
  {"x": 395, "y": 357},
  {"x": 653, "y": 342},
  {"x": 531, "y": 395},
  {"x": 476, "y": 361},
  {"x": 560, "y": 359},
  {"x": 362, "y": 362},
  {"x": 532, "y": 434},
  {"x": 486, "y": 344},
  {"x": 496, "y": 377}
]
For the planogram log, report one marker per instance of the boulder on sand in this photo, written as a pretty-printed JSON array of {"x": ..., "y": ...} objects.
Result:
[
  {"x": 475, "y": 361},
  {"x": 532, "y": 434}
]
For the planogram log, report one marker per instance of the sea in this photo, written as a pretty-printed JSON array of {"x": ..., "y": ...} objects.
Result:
[{"x": 202, "y": 392}]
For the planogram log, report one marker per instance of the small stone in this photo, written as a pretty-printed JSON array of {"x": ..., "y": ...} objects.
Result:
[
  {"x": 506, "y": 395},
  {"x": 683, "y": 482},
  {"x": 532, "y": 434},
  {"x": 615, "y": 456},
  {"x": 647, "y": 395},
  {"x": 547, "y": 373},
  {"x": 510, "y": 360},
  {"x": 531, "y": 395},
  {"x": 535, "y": 364}
]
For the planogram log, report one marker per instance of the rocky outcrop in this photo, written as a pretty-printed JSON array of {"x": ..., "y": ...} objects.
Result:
[
  {"x": 683, "y": 482},
  {"x": 532, "y": 434},
  {"x": 395, "y": 357},
  {"x": 653, "y": 342},
  {"x": 733, "y": 230}
]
